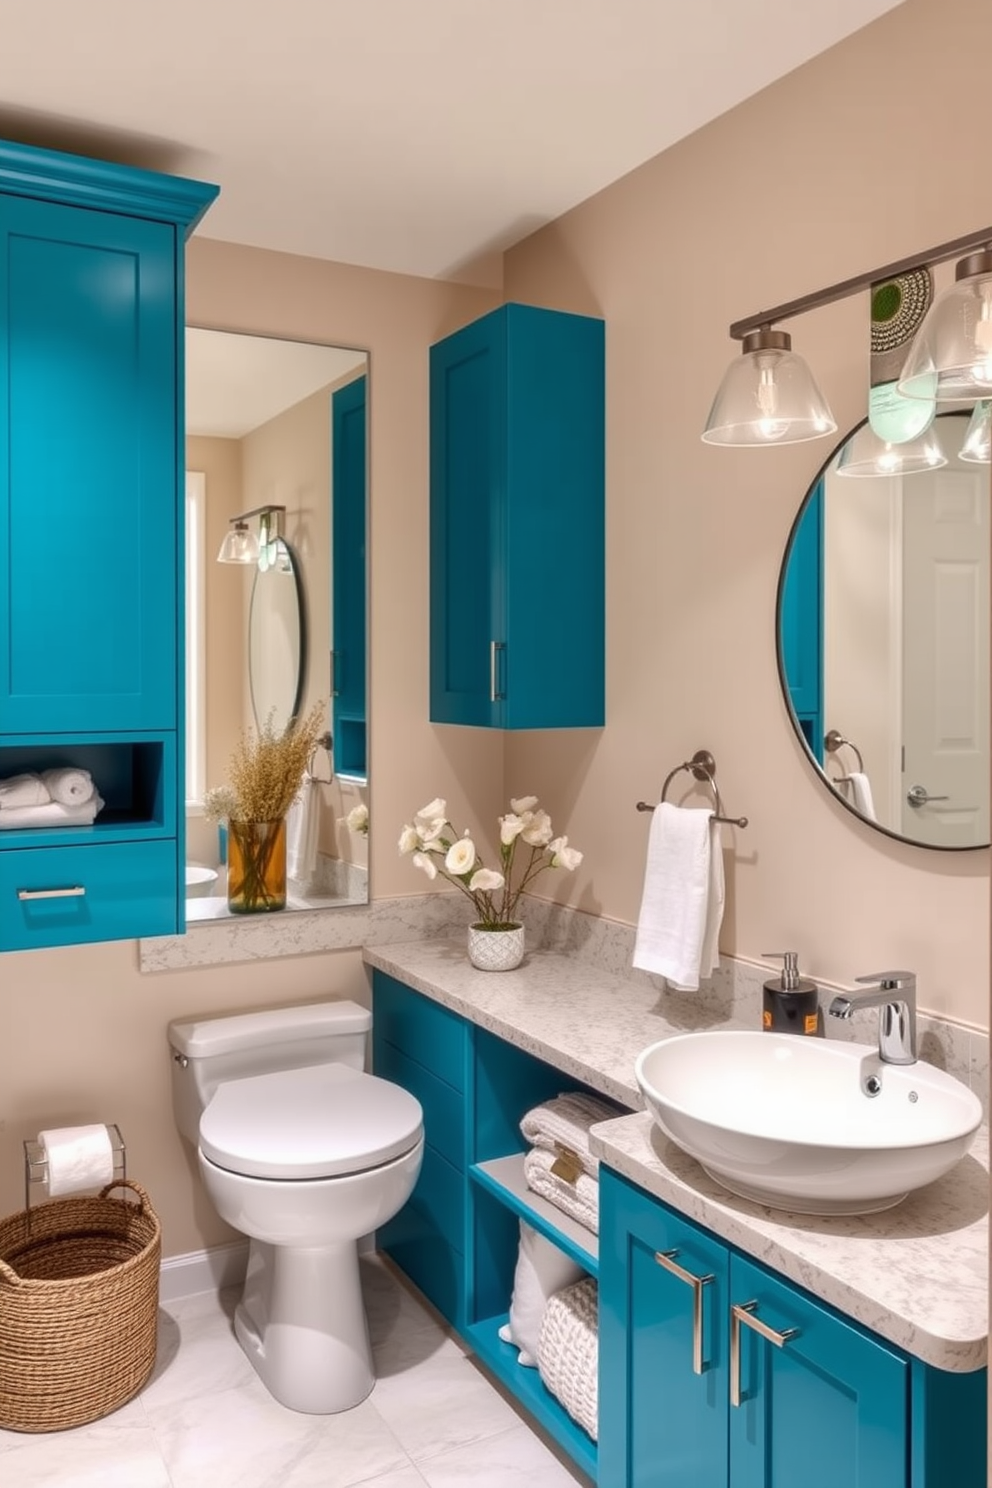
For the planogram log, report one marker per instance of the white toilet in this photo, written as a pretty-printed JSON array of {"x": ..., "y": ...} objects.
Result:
[{"x": 305, "y": 1153}]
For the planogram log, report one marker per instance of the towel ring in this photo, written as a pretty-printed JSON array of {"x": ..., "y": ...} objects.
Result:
[
  {"x": 703, "y": 767},
  {"x": 835, "y": 740},
  {"x": 325, "y": 742}
]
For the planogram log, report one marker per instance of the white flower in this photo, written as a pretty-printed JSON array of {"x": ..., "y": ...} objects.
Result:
[
  {"x": 537, "y": 830},
  {"x": 461, "y": 857},
  {"x": 436, "y": 808},
  {"x": 563, "y": 856},
  {"x": 421, "y": 860},
  {"x": 525, "y": 803},
  {"x": 409, "y": 839},
  {"x": 486, "y": 880},
  {"x": 430, "y": 830},
  {"x": 357, "y": 819},
  {"x": 510, "y": 828}
]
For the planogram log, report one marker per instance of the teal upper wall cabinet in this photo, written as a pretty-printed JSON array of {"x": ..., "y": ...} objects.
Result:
[
  {"x": 517, "y": 521},
  {"x": 91, "y": 599}
]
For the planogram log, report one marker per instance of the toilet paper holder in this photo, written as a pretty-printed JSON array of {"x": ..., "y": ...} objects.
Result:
[{"x": 36, "y": 1164}]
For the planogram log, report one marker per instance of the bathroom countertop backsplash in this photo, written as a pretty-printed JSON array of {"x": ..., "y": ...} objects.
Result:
[{"x": 915, "y": 1274}]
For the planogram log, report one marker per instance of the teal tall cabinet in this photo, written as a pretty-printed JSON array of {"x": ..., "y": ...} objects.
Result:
[
  {"x": 517, "y": 419},
  {"x": 91, "y": 598},
  {"x": 348, "y": 607}
]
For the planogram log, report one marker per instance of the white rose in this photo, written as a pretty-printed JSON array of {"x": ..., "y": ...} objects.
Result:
[
  {"x": 487, "y": 880},
  {"x": 430, "y": 830},
  {"x": 436, "y": 808},
  {"x": 358, "y": 818},
  {"x": 409, "y": 839},
  {"x": 510, "y": 828},
  {"x": 421, "y": 860},
  {"x": 525, "y": 803},
  {"x": 461, "y": 857},
  {"x": 537, "y": 831},
  {"x": 563, "y": 856}
]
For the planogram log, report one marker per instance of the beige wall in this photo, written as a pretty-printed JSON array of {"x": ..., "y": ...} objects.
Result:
[
  {"x": 844, "y": 166},
  {"x": 876, "y": 150}
]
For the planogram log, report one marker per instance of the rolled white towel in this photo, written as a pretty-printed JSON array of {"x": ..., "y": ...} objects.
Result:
[
  {"x": 68, "y": 786},
  {"x": 52, "y": 814},
  {"x": 23, "y": 790}
]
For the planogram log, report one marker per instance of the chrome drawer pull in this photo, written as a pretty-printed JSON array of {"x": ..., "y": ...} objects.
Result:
[
  {"x": 666, "y": 1258},
  {"x": 76, "y": 892},
  {"x": 743, "y": 1312},
  {"x": 495, "y": 647}
]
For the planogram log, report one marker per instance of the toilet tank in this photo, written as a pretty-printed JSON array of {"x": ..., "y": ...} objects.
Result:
[{"x": 207, "y": 1052}]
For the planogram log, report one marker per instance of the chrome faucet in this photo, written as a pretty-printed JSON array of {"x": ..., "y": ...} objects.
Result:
[{"x": 895, "y": 998}]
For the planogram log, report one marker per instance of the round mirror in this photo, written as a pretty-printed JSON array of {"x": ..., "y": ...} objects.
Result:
[
  {"x": 277, "y": 639},
  {"x": 882, "y": 627}
]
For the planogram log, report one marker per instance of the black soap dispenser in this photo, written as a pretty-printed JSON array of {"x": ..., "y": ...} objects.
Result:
[{"x": 790, "y": 1003}]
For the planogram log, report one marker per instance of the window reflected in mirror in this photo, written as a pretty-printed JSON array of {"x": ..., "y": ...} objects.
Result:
[{"x": 277, "y": 426}]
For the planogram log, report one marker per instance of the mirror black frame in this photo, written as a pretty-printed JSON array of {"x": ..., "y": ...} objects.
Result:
[
  {"x": 784, "y": 685},
  {"x": 301, "y": 671}
]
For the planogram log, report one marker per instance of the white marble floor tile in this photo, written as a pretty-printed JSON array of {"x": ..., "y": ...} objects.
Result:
[
  {"x": 197, "y": 1356},
  {"x": 242, "y": 1438},
  {"x": 514, "y": 1459},
  {"x": 441, "y": 1402},
  {"x": 130, "y": 1414},
  {"x": 108, "y": 1454}
]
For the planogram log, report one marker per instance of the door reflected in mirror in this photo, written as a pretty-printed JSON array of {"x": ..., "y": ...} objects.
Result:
[
  {"x": 264, "y": 431},
  {"x": 883, "y": 641}
]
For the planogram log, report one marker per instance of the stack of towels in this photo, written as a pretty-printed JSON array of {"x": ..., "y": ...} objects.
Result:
[
  {"x": 53, "y": 798},
  {"x": 559, "y": 1165}
]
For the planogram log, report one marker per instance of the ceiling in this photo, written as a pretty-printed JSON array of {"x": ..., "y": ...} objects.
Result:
[{"x": 417, "y": 137}]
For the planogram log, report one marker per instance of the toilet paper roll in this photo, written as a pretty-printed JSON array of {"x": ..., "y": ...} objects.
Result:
[{"x": 79, "y": 1158}]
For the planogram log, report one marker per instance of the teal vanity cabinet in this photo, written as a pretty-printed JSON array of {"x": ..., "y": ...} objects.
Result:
[
  {"x": 517, "y": 417},
  {"x": 718, "y": 1373},
  {"x": 91, "y": 377}
]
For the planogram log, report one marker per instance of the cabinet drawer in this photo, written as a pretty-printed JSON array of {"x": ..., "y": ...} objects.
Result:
[
  {"x": 421, "y": 1029},
  {"x": 87, "y": 893},
  {"x": 444, "y": 1108}
]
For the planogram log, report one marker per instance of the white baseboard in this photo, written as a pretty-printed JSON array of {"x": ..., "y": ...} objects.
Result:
[
  {"x": 203, "y": 1271},
  {"x": 213, "y": 1270}
]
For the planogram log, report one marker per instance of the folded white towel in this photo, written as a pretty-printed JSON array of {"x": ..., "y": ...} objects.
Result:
[
  {"x": 52, "y": 814},
  {"x": 23, "y": 790},
  {"x": 302, "y": 831},
  {"x": 580, "y": 1199},
  {"x": 565, "y": 1122},
  {"x": 678, "y": 928},
  {"x": 69, "y": 786},
  {"x": 859, "y": 788}
]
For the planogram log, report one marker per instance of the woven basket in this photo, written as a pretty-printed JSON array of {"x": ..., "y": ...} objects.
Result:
[
  {"x": 568, "y": 1351},
  {"x": 78, "y": 1308}
]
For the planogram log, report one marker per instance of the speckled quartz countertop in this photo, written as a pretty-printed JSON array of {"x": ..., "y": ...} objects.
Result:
[{"x": 916, "y": 1275}]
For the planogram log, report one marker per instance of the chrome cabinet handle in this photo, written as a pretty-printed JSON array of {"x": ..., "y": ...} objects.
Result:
[
  {"x": 494, "y": 648},
  {"x": 917, "y": 796},
  {"x": 76, "y": 892},
  {"x": 743, "y": 1312},
  {"x": 666, "y": 1258}
]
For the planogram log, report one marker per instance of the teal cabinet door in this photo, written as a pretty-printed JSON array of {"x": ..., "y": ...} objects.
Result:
[
  {"x": 663, "y": 1371},
  {"x": 517, "y": 521},
  {"x": 827, "y": 1405},
  {"x": 88, "y": 390},
  {"x": 348, "y": 462}
]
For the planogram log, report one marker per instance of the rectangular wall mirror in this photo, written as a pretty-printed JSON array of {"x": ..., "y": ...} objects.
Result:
[{"x": 276, "y": 516}]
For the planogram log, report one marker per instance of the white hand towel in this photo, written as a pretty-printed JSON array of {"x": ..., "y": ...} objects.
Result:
[
  {"x": 678, "y": 927},
  {"x": 302, "y": 832},
  {"x": 23, "y": 790},
  {"x": 860, "y": 794},
  {"x": 52, "y": 814},
  {"x": 69, "y": 786}
]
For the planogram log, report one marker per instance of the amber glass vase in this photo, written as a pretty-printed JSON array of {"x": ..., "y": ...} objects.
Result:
[{"x": 256, "y": 866}]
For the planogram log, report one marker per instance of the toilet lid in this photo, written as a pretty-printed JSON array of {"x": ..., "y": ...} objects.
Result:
[{"x": 320, "y": 1122}]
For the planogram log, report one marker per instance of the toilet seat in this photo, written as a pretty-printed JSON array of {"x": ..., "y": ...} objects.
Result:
[{"x": 324, "y": 1121}]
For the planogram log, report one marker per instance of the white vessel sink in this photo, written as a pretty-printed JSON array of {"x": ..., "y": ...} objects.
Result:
[{"x": 790, "y": 1122}]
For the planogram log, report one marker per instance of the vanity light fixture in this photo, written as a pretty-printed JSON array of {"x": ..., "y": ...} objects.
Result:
[
  {"x": 867, "y": 455},
  {"x": 774, "y": 399},
  {"x": 240, "y": 545},
  {"x": 977, "y": 447}
]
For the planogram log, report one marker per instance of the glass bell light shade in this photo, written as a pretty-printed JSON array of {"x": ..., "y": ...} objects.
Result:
[
  {"x": 240, "y": 545},
  {"x": 951, "y": 357},
  {"x": 977, "y": 447},
  {"x": 865, "y": 454},
  {"x": 768, "y": 396}
]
